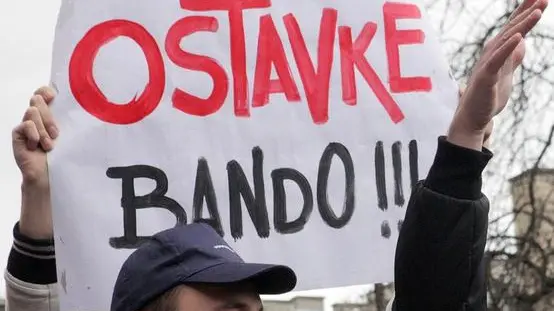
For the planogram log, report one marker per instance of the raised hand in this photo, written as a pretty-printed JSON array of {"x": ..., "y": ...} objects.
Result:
[
  {"x": 490, "y": 86},
  {"x": 31, "y": 140}
]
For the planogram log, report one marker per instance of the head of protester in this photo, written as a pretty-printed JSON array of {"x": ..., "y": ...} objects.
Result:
[{"x": 192, "y": 268}]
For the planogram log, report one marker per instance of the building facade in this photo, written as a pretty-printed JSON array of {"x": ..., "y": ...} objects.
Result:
[
  {"x": 521, "y": 272},
  {"x": 533, "y": 197}
]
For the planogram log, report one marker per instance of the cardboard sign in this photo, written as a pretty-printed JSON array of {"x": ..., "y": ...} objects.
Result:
[{"x": 296, "y": 129}]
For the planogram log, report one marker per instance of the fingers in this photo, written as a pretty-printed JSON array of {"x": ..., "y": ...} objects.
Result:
[
  {"x": 39, "y": 102},
  {"x": 47, "y": 93},
  {"x": 523, "y": 23},
  {"x": 521, "y": 8},
  {"x": 33, "y": 115},
  {"x": 502, "y": 55},
  {"x": 38, "y": 128},
  {"x": 27, "y": 132}
]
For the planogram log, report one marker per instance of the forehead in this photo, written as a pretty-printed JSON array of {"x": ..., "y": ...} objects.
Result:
[{"x": 218, "y": 298}]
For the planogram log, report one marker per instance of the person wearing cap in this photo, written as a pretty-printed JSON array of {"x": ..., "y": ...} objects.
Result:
[
  {"x": 195, "y": 256},
  {"x": 439, "y": 258}
]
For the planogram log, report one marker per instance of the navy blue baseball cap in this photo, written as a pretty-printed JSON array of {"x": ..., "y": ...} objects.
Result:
[{"x": 187, "y": 255}]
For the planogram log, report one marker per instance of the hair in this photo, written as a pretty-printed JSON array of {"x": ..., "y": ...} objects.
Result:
[{"x": 165, "y": 302}]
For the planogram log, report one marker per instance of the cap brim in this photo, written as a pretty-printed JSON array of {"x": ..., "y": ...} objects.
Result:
[{"x": 268, "y": 279}]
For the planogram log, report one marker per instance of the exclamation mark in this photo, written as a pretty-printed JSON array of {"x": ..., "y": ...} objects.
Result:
[
  {"x": 397, "y": 166},
  {"x": 414, "y": 166},
  {"x": 399, "y": 199},
  {"x": 381, "y": 183},
  {"x": 414, "y": 169}
]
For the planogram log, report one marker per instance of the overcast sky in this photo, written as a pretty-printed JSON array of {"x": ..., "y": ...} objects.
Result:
[{"x": 26, "y": 35}]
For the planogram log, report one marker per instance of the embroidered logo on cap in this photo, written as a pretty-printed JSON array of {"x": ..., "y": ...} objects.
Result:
[{"x": 224, "y": 247}]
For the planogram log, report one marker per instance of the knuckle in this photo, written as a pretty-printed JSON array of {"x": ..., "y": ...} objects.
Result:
[
  {"x": 28, "y": 124},
  {"x": 505, "y": 37},
  {"x": 32, "y": 111},
  {"x": 46, "y": 92},
  {"x": 31, "y": 126},
  {"x": 41, "y": 90},
  {"x": 35, "y": 100},
  {"x": 28, "y": 127},
  {"x": 511, "y": 22}
]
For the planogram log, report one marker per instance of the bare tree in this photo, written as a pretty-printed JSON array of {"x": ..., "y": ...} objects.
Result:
[{"x": 520, "y": 179}]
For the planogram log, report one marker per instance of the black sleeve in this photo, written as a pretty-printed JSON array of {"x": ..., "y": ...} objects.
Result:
[
  {"x": 32, "y": 261},
  {"x": 439, "y": 257}
]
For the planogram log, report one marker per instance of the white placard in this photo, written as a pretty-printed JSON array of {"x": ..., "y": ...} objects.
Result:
[{"x": 315, "y": 116}]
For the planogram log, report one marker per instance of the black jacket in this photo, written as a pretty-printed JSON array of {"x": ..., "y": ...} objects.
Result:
[{"x": 440, "y": 253}]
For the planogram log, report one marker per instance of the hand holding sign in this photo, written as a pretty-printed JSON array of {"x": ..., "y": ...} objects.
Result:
[
  {"x": 31, "y": 140},
  {"x": 490, "y": 86},
  {"x": 34, "y": 137}
]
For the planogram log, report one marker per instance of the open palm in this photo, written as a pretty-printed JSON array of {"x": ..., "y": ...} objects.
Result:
[{"x": 490, "y": 86}]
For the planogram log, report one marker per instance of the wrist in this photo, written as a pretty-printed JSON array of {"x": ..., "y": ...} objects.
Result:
[
  {"x": 462, "y": 136},
  {"x": 36, "y": 211},
  {"x": 35, "y": 182}
]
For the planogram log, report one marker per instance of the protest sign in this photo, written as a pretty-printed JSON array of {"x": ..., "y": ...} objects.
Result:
[{"x": 295, "y": 128}]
